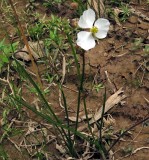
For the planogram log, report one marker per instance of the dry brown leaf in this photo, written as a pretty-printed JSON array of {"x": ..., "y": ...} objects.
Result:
[
  {"x": 82, "y": 118},
  {"x": 109, "y": 121},
  {"x": 36, "y": 50},
  {"x": 61, "y": 149},
  {"x": 87, "y": 154},
  {"x": 114, "y": 99},
  {"x": 99, "y": 8},
  {"x": 22, "y": 55},
  {"x": 116, "y": 13}
]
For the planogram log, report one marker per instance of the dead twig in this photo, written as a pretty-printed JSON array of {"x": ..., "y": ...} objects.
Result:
[
  {"x": 146, "y": 100},
  {"x": 14, "y": 143},
  {"x": 120, "y": 55}
]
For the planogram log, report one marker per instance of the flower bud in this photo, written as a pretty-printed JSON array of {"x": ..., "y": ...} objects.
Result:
[{"x": 74, "y": 5}]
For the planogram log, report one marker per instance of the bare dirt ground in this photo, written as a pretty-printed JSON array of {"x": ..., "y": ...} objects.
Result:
[{"x": 118, "y": 61}]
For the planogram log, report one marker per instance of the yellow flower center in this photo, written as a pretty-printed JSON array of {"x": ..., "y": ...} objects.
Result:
[{"x": 94, "y": 30}]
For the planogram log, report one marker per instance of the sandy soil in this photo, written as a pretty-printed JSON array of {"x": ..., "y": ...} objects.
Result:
[{"x": 126, "y": 65}]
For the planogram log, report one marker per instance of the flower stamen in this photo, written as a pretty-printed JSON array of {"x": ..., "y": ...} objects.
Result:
[{"x": 94, "y": 30}]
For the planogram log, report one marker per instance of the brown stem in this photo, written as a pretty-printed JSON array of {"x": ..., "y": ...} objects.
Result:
[{"x": 34, "y": 66}]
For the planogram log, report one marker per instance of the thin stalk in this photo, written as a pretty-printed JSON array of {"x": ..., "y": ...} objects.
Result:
[
  {"x": 83, "y": 71},
  {"x": 40, "y": 94},
  {"x": 48, "y": 119},
  {"x": 89, "y": 4},
  {"x": 36, "y": 87},
  {"x": 100, "y": 148},
  {"x": 66, "y": 111},
  {"x": 98, "y": 145},
  {"x": 58, "y": 125},
  {"x": 71, "y": 148},
  {"x": 62, "y": 131},
  {"x": 75, "y": 56},
  {"x": 35, "y": 68},
  {"x": 101, "y": 125},
  {"x": 79, "y": 94},
  {"x": 133, "y": 126},
  {"x": 102, "y": 115},
  {"x": 86, "y": 114}
]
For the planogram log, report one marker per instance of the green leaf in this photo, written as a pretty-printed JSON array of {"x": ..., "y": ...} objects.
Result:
[{"x": 4, "y": 58}]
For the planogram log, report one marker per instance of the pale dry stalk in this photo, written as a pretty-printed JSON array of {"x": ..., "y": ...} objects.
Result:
[{"x": 34, "y": 66}]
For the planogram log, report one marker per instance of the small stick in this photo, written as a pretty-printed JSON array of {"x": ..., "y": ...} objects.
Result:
[
  {"x": 16, "y": 145},
  {"x": 146, "y": 100}
]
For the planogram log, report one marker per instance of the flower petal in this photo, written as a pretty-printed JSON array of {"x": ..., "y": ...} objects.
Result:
[
  {"x": 85, "y": 40},
  {"x": 87, "y": 19},
  {"x": 103, "y": 27},
  {"x": 101, "y": 34}
]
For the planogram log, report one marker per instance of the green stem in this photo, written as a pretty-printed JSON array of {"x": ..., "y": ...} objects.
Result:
[
  {"x": 75, "y": 56},
  {"x": 101, "y": 125},
  {"x": 102, "y": 115},
  {"x": 86, "y": 113},
  {"x": 79, "y": 94},
  {"x": 61, "y": 129},
  {"x": 70, "y": 143}
]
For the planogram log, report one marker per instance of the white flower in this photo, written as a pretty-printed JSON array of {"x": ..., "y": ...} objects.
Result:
[{"x": 99, "y": 29}]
